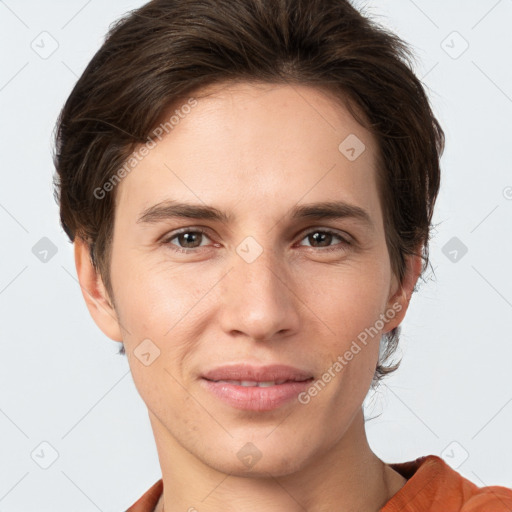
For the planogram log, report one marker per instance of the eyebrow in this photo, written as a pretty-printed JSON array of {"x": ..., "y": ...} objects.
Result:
[{"x": 170, "y": 209}]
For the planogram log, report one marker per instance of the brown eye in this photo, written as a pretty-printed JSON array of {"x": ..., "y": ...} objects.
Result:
[
  {"x": 188, "y": 239},
  {"x": 320, "y": 238}
]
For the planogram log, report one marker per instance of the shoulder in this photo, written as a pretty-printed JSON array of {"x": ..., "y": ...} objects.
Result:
[
  {"x": 493, "y": 498},
  {"x": 433, "y": 486}
]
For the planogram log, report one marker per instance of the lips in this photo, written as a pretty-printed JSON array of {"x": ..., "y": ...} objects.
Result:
[
  {"x": 252, "y": 383},
  {"x": 256, "y": 388},
  {"x": 262, "y": 376}
]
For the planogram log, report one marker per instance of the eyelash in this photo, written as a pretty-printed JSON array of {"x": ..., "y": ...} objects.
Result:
[{"x": 172, "y": 236}]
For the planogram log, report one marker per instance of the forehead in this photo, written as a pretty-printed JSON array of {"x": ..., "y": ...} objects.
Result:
[{"x": 256, "y": 145}]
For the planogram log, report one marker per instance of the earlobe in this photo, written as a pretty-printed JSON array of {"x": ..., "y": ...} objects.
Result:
[
  {"x": 399, "y": 300},
  {"x": 94, "y": 292}
]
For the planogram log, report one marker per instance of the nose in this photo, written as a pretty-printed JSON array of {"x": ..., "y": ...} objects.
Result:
[{"x": 258, "y": 298}]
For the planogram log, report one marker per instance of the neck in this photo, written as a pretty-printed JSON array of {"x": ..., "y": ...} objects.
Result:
[{"x": 348, "y": 477}]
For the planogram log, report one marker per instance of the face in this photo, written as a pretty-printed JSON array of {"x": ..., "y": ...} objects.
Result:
[{"x": 261, "y": 283}]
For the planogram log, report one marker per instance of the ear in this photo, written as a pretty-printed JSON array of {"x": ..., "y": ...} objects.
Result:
[
  {"x": 399, "y": 298},
  {"x": 94, "y": 292}
]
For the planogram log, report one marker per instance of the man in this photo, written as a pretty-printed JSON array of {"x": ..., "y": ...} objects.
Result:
[{"x": 249, "y": 185}]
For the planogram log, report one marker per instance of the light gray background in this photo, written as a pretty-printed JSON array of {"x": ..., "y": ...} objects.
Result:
[{"x": 61, "y": 380}]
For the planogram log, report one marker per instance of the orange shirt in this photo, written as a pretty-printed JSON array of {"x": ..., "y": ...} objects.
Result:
[{"x": 432, "y": 486}]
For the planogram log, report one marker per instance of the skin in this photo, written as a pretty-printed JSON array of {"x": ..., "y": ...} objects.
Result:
[{"x": 255, "y": 152}]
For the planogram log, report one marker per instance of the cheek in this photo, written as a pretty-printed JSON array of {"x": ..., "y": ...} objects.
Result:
[
  {"x": 350, "y": 303},
  {"x": 152, "y": 298},
  {"x": 350, "y": 298},
  {"x": 156, "y": 306}
]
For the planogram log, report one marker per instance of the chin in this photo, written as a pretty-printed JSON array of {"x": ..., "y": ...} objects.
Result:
[{"x": 252, "y": 462}]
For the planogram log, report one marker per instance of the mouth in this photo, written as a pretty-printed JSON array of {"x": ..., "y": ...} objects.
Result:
[
  {"x": 259, "y": 384},
  {"x": 251, "y": 388},
  {"x": 249, "y": 375}
]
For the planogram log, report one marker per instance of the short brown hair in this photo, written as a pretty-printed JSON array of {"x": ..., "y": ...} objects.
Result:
[{"x": 161, "y": 53}]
